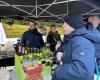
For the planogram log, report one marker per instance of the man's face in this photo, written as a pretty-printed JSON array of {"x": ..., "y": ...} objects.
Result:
[
  {"x": 32, "y": 25},
  {"x": 53, "y": 29},
  {"x": 95, "y": 20},
  {"x": 67, "y": 28}
]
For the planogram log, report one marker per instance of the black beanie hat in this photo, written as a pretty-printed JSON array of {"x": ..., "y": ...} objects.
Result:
[{"x": 74, "y": 20}]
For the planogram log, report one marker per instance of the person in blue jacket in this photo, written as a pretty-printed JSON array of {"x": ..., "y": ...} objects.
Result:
[
  {"x": 76, "y": 55},
  {"x": 97, "y": 46},
  {"x": 32, "y": 38},
  {"x": 98, "y": 51}
]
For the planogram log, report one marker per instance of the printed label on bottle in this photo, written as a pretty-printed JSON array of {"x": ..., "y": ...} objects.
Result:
[
  {"x": 23, "y": 50},
  {"x": 19, "y": 49}
]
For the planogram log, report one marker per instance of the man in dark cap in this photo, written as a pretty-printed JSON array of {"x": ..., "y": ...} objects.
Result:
[{"x": 77, "y": 53}]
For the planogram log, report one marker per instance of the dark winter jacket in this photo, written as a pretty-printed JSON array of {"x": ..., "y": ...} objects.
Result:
[
  {"x": 32, "y": 39},
  {"x": 52, "y": 39},
  {"x": 78, "y": 55}
]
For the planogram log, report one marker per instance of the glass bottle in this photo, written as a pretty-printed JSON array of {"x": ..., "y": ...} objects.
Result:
[{"x": 18, "y": 47}]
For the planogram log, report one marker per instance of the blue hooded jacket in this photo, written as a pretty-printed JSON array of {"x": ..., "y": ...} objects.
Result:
[
  {"x": 98, "y": 45},
  {"x": 78, "y": 55}
]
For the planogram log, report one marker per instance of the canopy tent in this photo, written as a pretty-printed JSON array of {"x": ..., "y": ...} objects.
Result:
[
  {"x": 93, "y": 3},
  {"x": 45, "y": 9}
]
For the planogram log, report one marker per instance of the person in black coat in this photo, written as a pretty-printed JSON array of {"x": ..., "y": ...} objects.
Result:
[
  {"x": 53, "y": 37},
  {"x": 32, "y": 38}
]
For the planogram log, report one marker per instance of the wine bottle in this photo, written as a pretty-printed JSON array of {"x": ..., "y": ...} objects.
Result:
[
  {"x": 18, "y": 48},
  {"x": 23, "y": 50}
]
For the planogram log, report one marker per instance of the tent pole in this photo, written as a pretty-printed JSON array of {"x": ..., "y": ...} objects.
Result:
[
  {"x": 36, "y": 8},
  {"x": 89, "y": 11},
  {"x": 47, "y": 7},
  {"x": 67, "y": 8},
  {"x": 17, "y": 8},
  {"x": 18, "y": 5},
  {"x": 8, "y": 18},
  {"x": 23, "y": 6},
  {"x": 50, "y": 13},
  {"x": 92, "y": 3},
  {"x": 61, "y": 2},
  {"x": 32, "y": 11}
]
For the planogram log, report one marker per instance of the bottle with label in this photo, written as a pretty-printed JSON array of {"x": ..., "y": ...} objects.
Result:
[
  {"x": 31, "y": 50},
  {"x": 35, "y": 50},
  {"x": 26, "y": 50},
  {"x": 23, "y": 50},
  {"x": 18, "y": 47}
]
